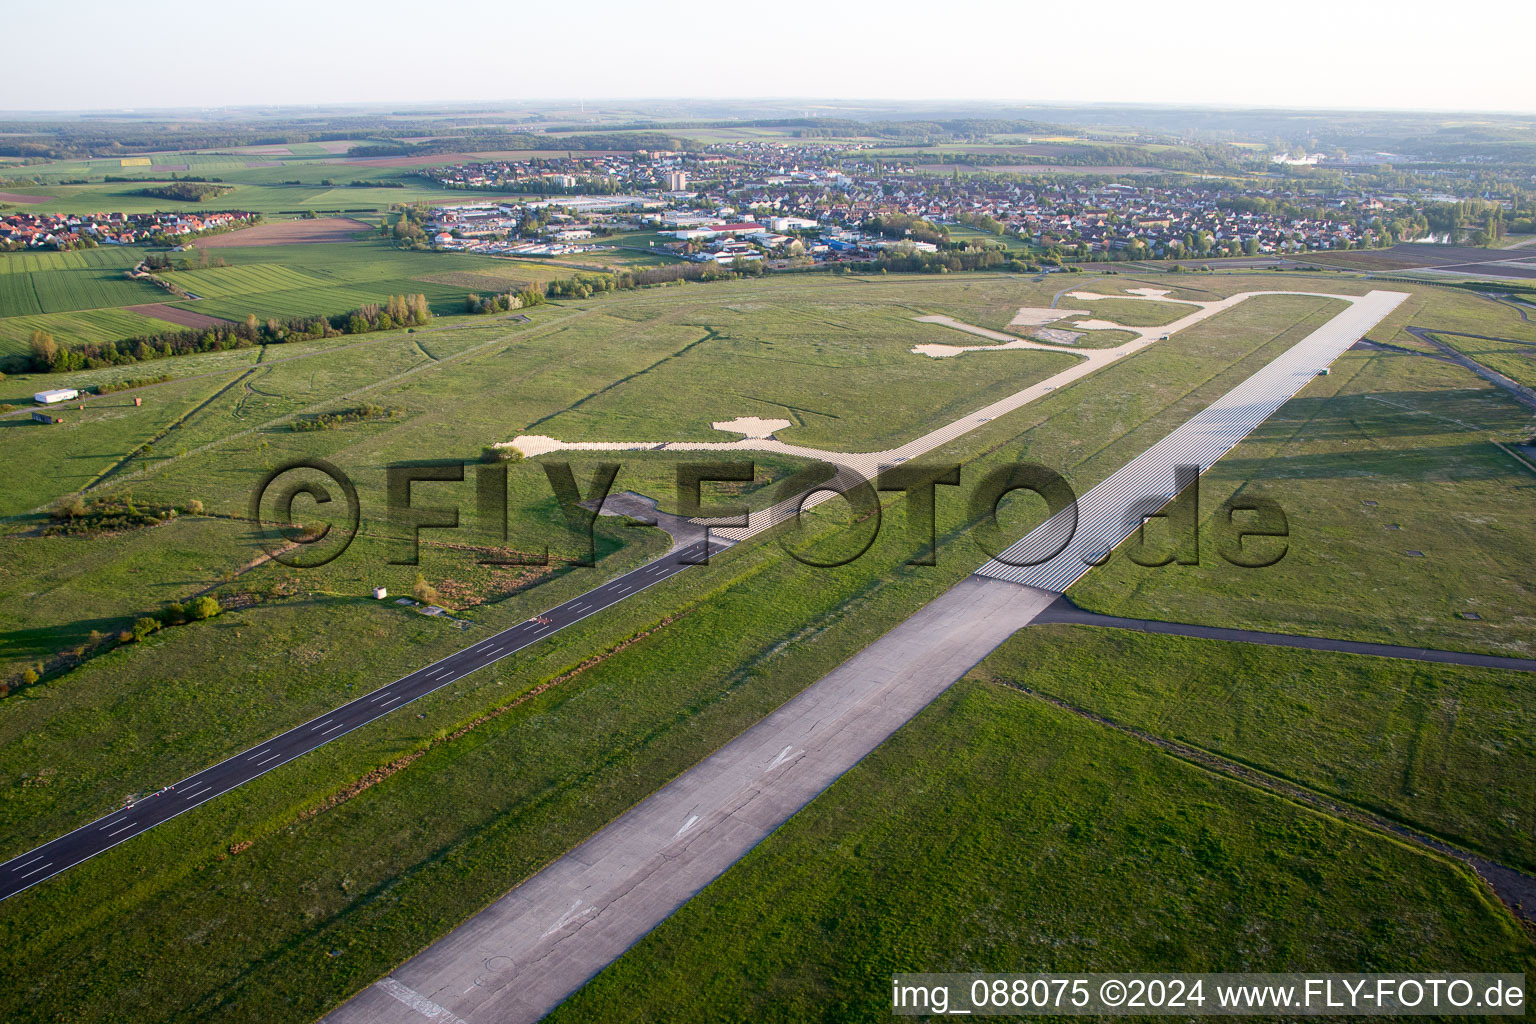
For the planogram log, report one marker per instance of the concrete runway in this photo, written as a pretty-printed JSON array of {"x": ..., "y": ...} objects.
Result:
[
  {"x": 517, "y": 959},
  {"x": 85, "y": 842},
  {"x": 523, "y": 955}
]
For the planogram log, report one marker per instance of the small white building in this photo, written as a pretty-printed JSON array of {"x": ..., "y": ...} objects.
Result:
[{"x": 56, "y": 395}]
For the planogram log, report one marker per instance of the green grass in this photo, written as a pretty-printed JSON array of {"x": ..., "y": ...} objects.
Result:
[
  {"x": 269, "y": 198},
  {"x": 379, "y": 876},
  {"x": 1134, "y": 312},
  {"x": 247, "y": 279},
  {"x": 61, "y": 291},
  {"x": 993, "y": 833},
  {"x": 1447, "y": 750},
  {"x": 80, "y": 327},
  {"x": 1414, "y": 435}
]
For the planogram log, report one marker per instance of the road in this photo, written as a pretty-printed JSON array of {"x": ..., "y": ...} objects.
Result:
[
  {"x": 1064, "y": 611},
  {"x": 1522, "y": 394},
  {"x": 87, "y": 841}
]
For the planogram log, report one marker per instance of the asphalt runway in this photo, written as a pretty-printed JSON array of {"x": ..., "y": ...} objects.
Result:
[{"x": 85, "y": 842}]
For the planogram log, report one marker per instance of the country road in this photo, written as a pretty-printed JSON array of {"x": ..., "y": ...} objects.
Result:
[{"x": 85, "y": 842}]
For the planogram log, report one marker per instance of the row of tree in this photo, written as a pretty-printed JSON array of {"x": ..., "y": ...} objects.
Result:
[{"x": 48, "y": 356}]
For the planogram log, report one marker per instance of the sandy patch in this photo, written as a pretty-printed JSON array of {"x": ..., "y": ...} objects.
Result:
[
  {"x": 184, "y": 317},
  {"x": 14, "y": 197},
  {"x": 1036, "y": 316},
  {"x": 1057, "y": 336},
  {"x": 288, "y": 232},
  {"x": 1099, "y": 325},
  {"x": 1140, "y": 295},
  {"x": 752, "y": 426}
]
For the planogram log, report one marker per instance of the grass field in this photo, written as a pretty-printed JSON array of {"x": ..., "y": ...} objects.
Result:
[
  {"x": 1390, "y": 454},
  {"x": 996, "y": 834},
  {"x": 1133, "y": 312},
  {"x": 1450, "y": 751},
  {"x": 322, "y": 904}
]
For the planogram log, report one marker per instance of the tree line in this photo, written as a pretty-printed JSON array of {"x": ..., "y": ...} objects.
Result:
[{"x": 48, "y": 356}]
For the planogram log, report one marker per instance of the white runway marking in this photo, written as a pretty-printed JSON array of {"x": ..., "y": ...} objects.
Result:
[
  {"x": 259, "y": 753},
  {"x": 114, "y": 821},
  {"x": 693, "y": 819},
  {"x": 274, "y": 757},
  {"x": 418, "y": 1002},
  {"x": 784, "y": 755},
  {"x": 333, "y": 728},
  {"x": 23, "y": 864},
  {"x": 36, "y": 870},
  {"x": 198, "y": 792},
  {"x": 125, "y": 828},
  {"x": 566, "y": 918}
]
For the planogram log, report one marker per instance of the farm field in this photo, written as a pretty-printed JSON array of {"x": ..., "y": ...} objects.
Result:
[
  {"x": 81, "y": 326},
  {"x": 288, "y": 232},
  {"x": 996, "y": 833},
  {"x": 276, "y": 278},
  {"x": 422, "y": 812}
]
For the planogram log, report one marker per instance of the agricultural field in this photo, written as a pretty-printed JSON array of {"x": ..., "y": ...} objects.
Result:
[
  {"x": 373, "y": 845},
  {"x": 269, "y": 280},
  {"x": 81, "y": 326}
]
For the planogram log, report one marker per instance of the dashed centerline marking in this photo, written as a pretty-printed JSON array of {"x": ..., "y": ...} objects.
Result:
[
  {"x": 36, "y": 870},
  {"x": 125, "y": 828},
  {"x": 274, "y": 757},
  {"x": 23, "y": 864}
]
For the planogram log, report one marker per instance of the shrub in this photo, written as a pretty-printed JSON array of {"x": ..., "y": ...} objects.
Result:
[
  {"x": 492, "y": 453},
  {"x": 144, "y": 627},
  {"x": 194, "y": 507},
  {"x": 205, "y": 607},
  {"x": 30, "y": 676},
  {"x": 423, "y": 591}
]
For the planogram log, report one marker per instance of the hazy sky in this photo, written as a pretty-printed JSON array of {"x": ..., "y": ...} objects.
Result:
[{"x": 1303, "y": 53}]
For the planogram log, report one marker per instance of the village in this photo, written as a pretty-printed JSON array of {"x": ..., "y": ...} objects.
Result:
[
  {"x": 83, "y": 230},
  {"x": 756, "y": 200}
]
